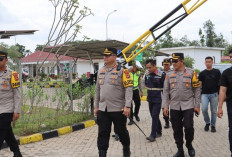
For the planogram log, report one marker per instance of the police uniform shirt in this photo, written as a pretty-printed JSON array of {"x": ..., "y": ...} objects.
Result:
[
  {"x": 178, "y": 88},
  {"x": 111, "y": 95},
  {"x": 10, "y": 98}
]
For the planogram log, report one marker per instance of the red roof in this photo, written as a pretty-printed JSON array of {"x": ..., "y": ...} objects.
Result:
[
  {"x": 34, "y": 57},
  {"x": 225, "y": 58}
]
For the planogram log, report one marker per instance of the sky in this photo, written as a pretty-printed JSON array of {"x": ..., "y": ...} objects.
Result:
[{"x": 132, "y": 19}]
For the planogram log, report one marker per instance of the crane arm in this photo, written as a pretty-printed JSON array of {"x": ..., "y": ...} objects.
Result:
[{"x": 143, "y": 38}]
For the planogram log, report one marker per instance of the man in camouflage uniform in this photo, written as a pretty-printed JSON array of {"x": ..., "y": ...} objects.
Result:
[
  {"x": 112, "y": 102},
  {"x": 182, "y": 89},
  {"x": 9, "y": 104}
]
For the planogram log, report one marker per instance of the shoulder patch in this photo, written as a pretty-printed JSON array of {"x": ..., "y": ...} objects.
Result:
[
  {"x": 126, "y": 78},
  {"x": 195, "y": 81},
  {"x": 15, "y": 82},
  {"x": 127, "y": 73}
]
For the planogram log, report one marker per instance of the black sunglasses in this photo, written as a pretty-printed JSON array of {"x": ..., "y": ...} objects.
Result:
[
  {"x": 2, "y": 58},
  {"x": 175, "y": 60}
]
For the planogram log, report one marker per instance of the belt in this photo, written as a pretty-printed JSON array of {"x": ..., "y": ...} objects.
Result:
[{"x": 154, "y": 88}]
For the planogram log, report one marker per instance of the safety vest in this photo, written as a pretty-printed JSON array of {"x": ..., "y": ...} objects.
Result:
[{"x": 135, "y": 78}]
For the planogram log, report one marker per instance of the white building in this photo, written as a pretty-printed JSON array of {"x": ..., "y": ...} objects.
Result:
[{"x": 197, "y": 53}]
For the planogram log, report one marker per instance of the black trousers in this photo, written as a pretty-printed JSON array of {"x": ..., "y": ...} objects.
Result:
[
  {"x": 6, "y": 132},
  {"x": 137, "y": 101},
  {"x": 104, "y": 121},
  {"x": 156, "y": 127},
  {"x": 182, "y": 119}
]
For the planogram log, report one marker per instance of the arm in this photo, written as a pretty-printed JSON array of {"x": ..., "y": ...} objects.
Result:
[
  {"x": 17, "y": 103},
  {"x": 141, "y": 85},
  {"x": 128, "y": 96},
  {"x": 166, "y": 91},
  {"x": 222, "y": 96},
  {"x": 96, "y": 98},
  {"x": 200, "y": 83},
  {"x": 166, "y": 96}
]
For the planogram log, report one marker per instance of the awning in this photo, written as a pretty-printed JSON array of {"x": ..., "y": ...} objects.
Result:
[
  {"x": 92, "y": 49},
  {"x": 8, "y": 34}
]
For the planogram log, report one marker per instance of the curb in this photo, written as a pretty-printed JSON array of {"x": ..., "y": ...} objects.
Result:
[
  {"x": 144, "y": 98},
  {"x": 53, "y": 133}
]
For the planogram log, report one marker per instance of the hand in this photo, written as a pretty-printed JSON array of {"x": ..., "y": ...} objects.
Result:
[
  {"x": 141, "y": 94},
  {"x": 126, "y": 111},
  {"x": 220, "y": 113},
  {"x": 197, "y": 110},
  {"x": 16, "y": 116},
  {"x": 165, "y": 111},
  {"x": 96, "y": 112}
]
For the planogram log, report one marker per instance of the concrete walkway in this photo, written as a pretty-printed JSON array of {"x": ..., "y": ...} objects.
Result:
[{"x": 83, "y": 143}]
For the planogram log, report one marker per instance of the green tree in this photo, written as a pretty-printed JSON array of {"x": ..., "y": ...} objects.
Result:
[
  {"x": 202, "y": 37},
  {"x": 220, "y": 41},
  {"x": 167, "y": 40},
  {"x": 227, "y": 50},
  {"x": 210, "y": 38},
  {"x": 22, "y": 50},
  {"x": 210, "y": 34},
  {"x": 13, "y": 55},
  {"x": 189, "y": 61}
]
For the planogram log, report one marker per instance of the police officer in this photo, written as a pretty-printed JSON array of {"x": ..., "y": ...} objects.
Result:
[
  {"x": 167, "y": 66},
  {"x": 135, "y": 74},
  {"x": 182, "y": 90},
  {"x": 154, "y": 83},
  {"x": 9, "y": 104},
  {"x": 112, "y": 102}
]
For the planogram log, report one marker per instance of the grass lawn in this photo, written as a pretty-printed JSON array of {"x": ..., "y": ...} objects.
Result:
[{"x": 43, "y": 119}]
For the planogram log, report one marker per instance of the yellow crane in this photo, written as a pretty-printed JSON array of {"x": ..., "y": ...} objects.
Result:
[{"x": 143, "y": 38}]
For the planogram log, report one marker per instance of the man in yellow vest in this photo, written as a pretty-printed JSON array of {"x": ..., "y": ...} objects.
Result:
[{"x": 135, "y": 74}]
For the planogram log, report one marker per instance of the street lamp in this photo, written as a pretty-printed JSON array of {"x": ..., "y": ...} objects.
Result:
[{"x": 106, "y": 22}]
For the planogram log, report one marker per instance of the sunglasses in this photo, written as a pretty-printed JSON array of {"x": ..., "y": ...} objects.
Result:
[
  {"x": 175, "y": 60},
  {"x": 2, "y": 58},
  {"x": 230, "y": 56}
]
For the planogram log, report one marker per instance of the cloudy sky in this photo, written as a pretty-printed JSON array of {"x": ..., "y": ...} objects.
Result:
[{"x": 132, "y": 18}]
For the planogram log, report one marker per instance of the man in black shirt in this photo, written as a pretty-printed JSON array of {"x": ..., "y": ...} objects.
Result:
[
  {"x": 226, "y": 92},
  {"x": 209, "y": 80}
]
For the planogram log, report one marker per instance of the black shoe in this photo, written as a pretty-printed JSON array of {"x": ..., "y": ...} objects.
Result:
[
  {"x": 191, "y": 151},
  {"x": 151, "y": 138},
  {"x": 130, "y": 122},
  {"x": 137, "y": 118},
  {"x": 116, "y": 137},
  {"x": 166, "y": 126},
  {"x": 102, "y": 153},
  {"x": 158, "y": 135},
  {"x": 17, "y": 154},
  {"x": 180, "y": 153},
  {"x": 207, "y": 127},
  {"x": 213, "y": 129},
  {"x": 126, "y": 151}
]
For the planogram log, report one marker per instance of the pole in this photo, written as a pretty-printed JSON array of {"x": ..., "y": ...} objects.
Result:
[
  {"x": 70, "y": 78},
  {"x": 21, "y": 88},
  {"x": 106, "y": 23}
]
